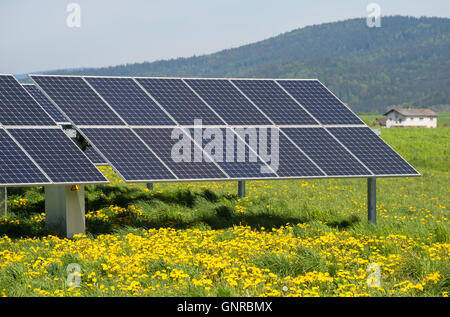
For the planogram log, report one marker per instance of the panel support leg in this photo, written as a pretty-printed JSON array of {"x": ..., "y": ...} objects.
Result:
[
  {"x": 3, "y": 202},
  {"x": 65, "y": 209},
  {"x": 150, "y": 186},
  {"x": 241, "y": 189},
  {"x": 372, "y": 199}
]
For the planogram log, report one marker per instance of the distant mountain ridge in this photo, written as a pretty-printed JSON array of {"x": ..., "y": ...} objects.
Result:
[{"x": 404, "y": 62}]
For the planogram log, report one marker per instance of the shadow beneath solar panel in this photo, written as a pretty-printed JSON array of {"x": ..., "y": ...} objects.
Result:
[
  {"x": 344, "y": 223},
  {"x": 25, "y": 229},
  {"x": 124, "y": 196},
  {"x": 101, "y": 196},
  {"x": 26, "y": 220},
  {"x": 24, "y": 215},
  {"x": 220, "y": 215},
  {"x": 131, "y": 209},
  {"x": 226, "y": 218}
]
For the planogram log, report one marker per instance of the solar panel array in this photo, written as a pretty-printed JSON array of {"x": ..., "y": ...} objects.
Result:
[
  {"x": 34, "y": 150},
  {"x": 156, "y": 129}
]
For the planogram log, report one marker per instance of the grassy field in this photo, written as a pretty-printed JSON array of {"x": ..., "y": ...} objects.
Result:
[{"x": 287, "y": 238}]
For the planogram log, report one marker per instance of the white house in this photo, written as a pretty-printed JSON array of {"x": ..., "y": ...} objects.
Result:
[{"x": 400, "y": 117}]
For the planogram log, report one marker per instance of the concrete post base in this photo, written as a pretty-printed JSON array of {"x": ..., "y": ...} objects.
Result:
[{"x": 65, "y": 209}]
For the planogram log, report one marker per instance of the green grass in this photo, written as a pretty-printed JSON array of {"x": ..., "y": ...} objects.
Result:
[
  {"x": 368, "y": 119},
  {"x": 444, "y": 119},
  {"x": 416, "y": 208}
]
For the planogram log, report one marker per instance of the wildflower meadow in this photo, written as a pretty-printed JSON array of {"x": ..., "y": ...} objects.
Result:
[{"x": 286, "y": 238}]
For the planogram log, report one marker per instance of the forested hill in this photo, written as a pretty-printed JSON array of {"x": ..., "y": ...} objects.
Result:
[{"x": 404, "y": 62}]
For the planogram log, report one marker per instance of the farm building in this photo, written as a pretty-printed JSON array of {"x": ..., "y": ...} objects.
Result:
[{"x": 400, "y": 117}]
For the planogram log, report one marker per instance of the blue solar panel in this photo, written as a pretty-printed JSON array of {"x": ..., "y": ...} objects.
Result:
[
  {"x": 127, "y": 154},
  {"x": 179, "y": 101},
  {"x": 326, "y": 152},
  {"x": 17, "y": 107},
  {"x": 161, "y": 142},
  {"x": 130, "y": 101},
  {"x": 45, "y": 103},
  {"x": 228, "y": 102},
  {"x": 302, "y": 152},
  {"x": 325, "y": 107},
  {"x": 58, "y": 156},
  {"x": 94, "y": 156},
  {"x": 274, "y": 102},
  {"x": 232, "y": 154},
  {"x": 373, "y": 151},
  {"x": 15, "y": 167},
  {"x": 292, "y": 162},
  {"x": 77, "y": 100}
]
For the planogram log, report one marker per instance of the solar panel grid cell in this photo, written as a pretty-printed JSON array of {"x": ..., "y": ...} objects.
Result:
[
  {"x": 161, "y": 142},
  {"x": 179, "y": 101},
  {"x": 292, "y": 162},
  {"x": 228, "y": 102},
  {"x": 77, "y": 100},
  {"x": 15, "y": 166},
  {"x": 325, "y": 107},
  {"x": 326, "y": 152},
  {"x": 127, "y": 154},
  {"x": 57, "y": 155},
  {"x": 45, "y": 103},
  {"x": 130, "y": 101},
  {"x": 94, "y": 156},
  {"x": 373, "y": 151},
  {"x": 243, "y": 164},
  {"x": 274, "y": 102},
  {"x": 17, "y": 107}
]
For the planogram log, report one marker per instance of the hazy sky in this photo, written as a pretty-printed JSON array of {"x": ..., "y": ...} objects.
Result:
[{"x": 34, "y": 35}]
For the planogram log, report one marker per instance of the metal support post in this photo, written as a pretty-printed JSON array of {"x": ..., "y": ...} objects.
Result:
[
  {"x": 372, "y": 199},
  {"x": 4, "y": 201},
  {"x": 241, "y": 189}
]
